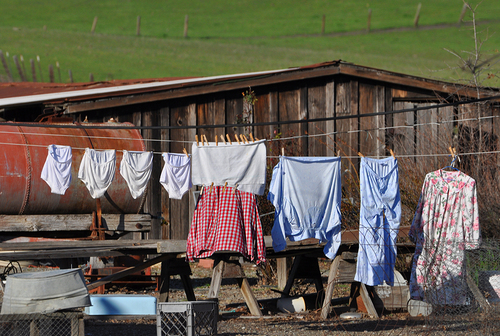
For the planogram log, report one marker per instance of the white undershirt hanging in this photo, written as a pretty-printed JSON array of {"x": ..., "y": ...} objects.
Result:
[
  {"x": 176, "y": 174},
  {"x": 57, "y": 169},
  {"x": 237, "y": 164},
  {"x": 97, "y": 170},
  {"x": 136, "y": 169}
]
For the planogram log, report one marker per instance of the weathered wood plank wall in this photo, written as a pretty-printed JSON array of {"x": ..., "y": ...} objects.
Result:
[{"x": 409, "y": 133}]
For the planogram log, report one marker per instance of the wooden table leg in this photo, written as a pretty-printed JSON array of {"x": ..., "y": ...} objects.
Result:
[
  {"x": 188, "y": 287},
  {"x": 164, "y": 287},
  {"x": 250, "y": 299},
  {"x": 330, "y": 287},
  {"x": 368, "y": 301},
  {"x": 216, "y": 281}
]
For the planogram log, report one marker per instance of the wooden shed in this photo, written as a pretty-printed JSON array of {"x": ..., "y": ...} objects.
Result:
[{"x": 360, "y": 109}]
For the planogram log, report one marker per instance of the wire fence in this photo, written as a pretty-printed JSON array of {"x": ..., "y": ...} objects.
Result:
[
  {"x": 53, "y": 324},
  {"x": 442, "y": 289}
]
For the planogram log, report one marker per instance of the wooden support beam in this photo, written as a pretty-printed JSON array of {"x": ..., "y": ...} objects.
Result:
[
  {"x": 232, "y": 269},
  {"x": 216, "y": 281},
  {"x": 368, "y": 301},
  {"x": 477, "y": 293},
  {"x": 129, "y": 271},
  {"x": 250, "y": 299},
  {"x": 164, "y": 285},
  {"x": 330, "y": 287},
  {"x": 171, "y": 267},
  {"x": 304, "y": 267},
  {"x": 73, "y": 222},
  {"x": 282, "y": 271}
]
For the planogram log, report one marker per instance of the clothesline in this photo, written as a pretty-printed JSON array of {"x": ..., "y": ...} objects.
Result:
[
  {"x": 277, "y": 157},
  {"x": 272, "y": 139}
]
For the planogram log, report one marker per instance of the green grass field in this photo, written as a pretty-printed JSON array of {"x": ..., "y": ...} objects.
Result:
[{"x": 238, "y": 36}]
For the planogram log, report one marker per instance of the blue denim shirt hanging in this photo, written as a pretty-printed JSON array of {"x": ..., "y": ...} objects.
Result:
[
  {"x": 306, "y": 192},
  {"x": 380, "y": 216}
]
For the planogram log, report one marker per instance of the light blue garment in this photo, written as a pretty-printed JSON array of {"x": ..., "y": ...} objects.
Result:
[
  {"x": 306, "y": 193},
  {"x": 380, "y": 216}
]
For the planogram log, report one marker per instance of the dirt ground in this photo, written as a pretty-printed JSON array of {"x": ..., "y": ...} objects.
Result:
[{"x": 235, "y": 319}]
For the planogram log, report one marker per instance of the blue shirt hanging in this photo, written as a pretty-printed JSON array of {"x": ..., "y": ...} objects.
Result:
[
  {"x": 380, "y": 216},
  {"x": 306, "y": 193}
]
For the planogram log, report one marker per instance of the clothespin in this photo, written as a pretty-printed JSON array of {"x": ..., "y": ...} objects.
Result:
[
  {"x": 251, "y": 137},
  {"x": 282, "y": 151},
  {"x": 361, "y": 155},
  {"x": 211, "y": 186},
  {"x": 392, "y": 153},
  {"x": 222, "y": 137},
  {"x": 197, "y": 142},
  {"x": 454, "y": 156},
  {"x": 229, "y": 139},
  {"x": 205, "y": 138},
  {"x": 453, "y": 151},
  {"x": 185, "y": 152},
  {"x": 234, "y": 189},
  {"x": 216, "y": 141},
  {"x": 243, "y": 138},
  {"x": 237, "y": 139},
  {"x": 201, "y": 191},
  {"x": 338, "y": 153},
  {"x": 224, "y": 189}
]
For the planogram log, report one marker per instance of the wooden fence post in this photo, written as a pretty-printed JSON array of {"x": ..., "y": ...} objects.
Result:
[
  {"x": 138, "y": 27},
  {"x": 186, "y": 21},
  {"x": 94, "y": 24},
  {"x": 39, "y": 68},
  {"x": 417, "y": 15},
  {"x": 33, "y": 70},
  {"x": 323, "y": 24},
  {"x": 51, "y": 73},
  {"x": 19, "y": 70},
  {"x": 6, "y": 66},
  {"x": 369, "y": 20},
  {"x": 70, "y": 73},
  {"x": 24, "y": 68},
  {"x": 91, "y": 77},
  {"x": 462, "y": 14},
  {"x": 58, "y": 71}
]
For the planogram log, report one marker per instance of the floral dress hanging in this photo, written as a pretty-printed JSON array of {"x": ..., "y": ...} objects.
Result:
[{"x": 445, "y": 225}]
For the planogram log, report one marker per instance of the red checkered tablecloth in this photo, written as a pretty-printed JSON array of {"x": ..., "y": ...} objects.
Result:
[{"x": 225, "y": 220}]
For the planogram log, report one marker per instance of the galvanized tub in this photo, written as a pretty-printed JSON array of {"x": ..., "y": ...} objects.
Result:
[{"x": 45, "y": 292}]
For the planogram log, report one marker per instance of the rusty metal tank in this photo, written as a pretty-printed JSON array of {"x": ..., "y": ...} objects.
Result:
[{"x": 24, "y": 149}]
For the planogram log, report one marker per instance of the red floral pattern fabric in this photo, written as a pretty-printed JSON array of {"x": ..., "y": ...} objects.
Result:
[{"x": 446, "y": 224}]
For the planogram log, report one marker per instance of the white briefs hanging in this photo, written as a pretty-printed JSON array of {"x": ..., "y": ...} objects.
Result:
[
  {"x": 136, "y": 170},
  {"x": 57, "y": 169},
  {"x": 97, "y": 170},
  {"x": 176, "y": 174}
]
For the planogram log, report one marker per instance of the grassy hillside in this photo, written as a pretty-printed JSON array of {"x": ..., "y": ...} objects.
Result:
[{"x": 226, "y": 36}]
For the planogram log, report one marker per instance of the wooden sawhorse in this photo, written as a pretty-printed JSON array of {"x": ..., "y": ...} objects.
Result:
[
  {"x": 176, "y": 266},
  {"x": 227, "y": 267},
  {"x": 346, "y": 262}
]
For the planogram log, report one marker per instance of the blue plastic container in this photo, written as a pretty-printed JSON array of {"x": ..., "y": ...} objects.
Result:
[{"x": 121, "y": 304}]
